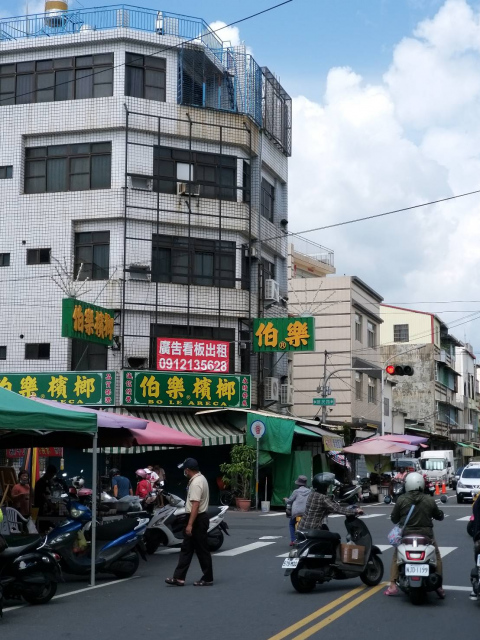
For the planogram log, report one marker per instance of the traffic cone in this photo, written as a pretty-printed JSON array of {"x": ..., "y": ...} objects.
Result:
[
  {"x": 437, "y": 489},
  {"x": 444, "y": 487}
]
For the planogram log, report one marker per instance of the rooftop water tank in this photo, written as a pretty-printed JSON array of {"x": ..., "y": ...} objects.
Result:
[{"x": 55, "y": 12}]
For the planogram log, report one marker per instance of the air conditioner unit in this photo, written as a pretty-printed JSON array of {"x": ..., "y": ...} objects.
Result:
[
  {"x": 139, "y": 272},
  {"x": 144, "y": 183},
  {"x": 188, "y": 189},
  {"x": 286, "y": 395},
  {"x": 271, "y": 389},
  {"x": 136, "y": 362},
  {"x": 272, "y": 290}
]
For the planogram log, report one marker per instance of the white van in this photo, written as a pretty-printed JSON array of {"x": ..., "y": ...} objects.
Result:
[{"x": 469, "y": 482}]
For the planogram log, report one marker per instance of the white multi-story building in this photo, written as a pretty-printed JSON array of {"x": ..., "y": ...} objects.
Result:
[{"x": 143, "y": 168}]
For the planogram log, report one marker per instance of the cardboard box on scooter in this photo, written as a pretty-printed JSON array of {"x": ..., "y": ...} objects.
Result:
[{"x": 352, "y": 554}]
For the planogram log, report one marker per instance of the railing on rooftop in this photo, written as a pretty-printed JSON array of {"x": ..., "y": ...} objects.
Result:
[
  {"x": 313, "y": 250},
  {"x": 111, "y": 17}
]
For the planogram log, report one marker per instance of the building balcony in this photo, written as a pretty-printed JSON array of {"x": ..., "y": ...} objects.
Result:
[{"x": 310, "y": 257}]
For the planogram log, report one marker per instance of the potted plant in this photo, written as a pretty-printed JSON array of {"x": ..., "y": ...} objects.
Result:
[{"x": 238, "y": 473}]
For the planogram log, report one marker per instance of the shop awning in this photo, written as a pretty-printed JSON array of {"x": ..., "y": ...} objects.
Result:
[
  {"x": 211, "y": 430},
  {"x": 302, "y": 431}
]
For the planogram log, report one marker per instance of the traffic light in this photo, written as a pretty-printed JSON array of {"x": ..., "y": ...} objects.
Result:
[{"x": 399, "y": 370}]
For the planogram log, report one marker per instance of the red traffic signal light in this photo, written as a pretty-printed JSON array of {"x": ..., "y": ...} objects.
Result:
[{"x": 399, "y": 370}]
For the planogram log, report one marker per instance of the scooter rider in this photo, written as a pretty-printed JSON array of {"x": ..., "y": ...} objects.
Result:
[
  {"x": 319, "y": 505},
  {"x": 420, "y": 522}
]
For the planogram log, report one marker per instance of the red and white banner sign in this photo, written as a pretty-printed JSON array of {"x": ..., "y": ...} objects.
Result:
[
  {"x": 43, "y": 452},
  {"x": 178, "y": 354}
]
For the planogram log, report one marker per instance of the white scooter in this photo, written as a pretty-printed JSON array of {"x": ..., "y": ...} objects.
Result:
[{"x": 168, "y": 524}]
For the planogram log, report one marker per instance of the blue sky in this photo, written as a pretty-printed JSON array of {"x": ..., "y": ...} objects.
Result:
[{"x": 301, "y": 41}]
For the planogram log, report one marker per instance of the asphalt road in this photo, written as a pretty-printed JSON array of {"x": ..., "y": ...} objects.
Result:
[{"x": 252, "y": 599}]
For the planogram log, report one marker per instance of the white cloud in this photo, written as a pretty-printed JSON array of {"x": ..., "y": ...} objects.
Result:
[
  {"x": 229, "y": 35},
  {"x": 411, "y": 138}
]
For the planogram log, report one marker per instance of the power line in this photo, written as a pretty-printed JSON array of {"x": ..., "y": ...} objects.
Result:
[{"x": 163, "y": 50}]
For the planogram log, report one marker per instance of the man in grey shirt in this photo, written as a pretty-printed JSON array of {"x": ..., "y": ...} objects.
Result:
[{"x": 196, "y": 531}]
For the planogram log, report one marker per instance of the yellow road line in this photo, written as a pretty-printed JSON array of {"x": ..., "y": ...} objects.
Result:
[
  {"x": 316, "y": 614},
  {"x": 348, "y": 607}
]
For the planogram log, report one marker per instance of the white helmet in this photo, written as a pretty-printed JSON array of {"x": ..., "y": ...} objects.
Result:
[{"x": 414, "y": 482}]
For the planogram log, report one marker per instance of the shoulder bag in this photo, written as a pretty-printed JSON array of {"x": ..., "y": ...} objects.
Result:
[{"x": 395, "y": 535}]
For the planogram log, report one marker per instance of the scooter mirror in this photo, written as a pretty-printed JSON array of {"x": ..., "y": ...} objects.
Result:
[
  {"x": 387, "y": 500},
  {"x": 443, "y": 499}
]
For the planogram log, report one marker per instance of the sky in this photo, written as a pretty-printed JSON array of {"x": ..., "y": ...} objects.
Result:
[{"x": 386, "y": 106}]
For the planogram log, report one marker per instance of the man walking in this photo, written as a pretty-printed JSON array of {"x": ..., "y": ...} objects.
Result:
[{"x": 196, "y": 531}]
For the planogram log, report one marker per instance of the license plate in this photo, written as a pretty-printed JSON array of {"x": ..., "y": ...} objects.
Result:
[
  {"x": 417, "y": 570},
  {"x": 290, "y": 563},
  {"x": 365, "y": 495}
]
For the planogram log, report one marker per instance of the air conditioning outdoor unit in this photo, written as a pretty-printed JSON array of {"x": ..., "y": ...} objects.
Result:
[
  {"x": 286, "y": 395},
  {"x": 272, "y": 290},
  {"x": 271, "y": 389},
  {"x": 139, "y": 272},
  {"x": 143, "y": 183},
  {"x": 136, "y": 362},
  {"x": 188, "y": 189}
]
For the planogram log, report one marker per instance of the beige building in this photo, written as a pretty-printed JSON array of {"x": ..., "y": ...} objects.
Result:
[{"x": 347, "y": 323}]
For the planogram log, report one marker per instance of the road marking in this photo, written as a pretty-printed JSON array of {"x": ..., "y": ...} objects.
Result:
[
  {"x": 463, "y": 519},
  {"x": 384, "y": 547},
  {"x": 316, "y": 614},
  {"x": 248, "y": 547},
  {"x": 444, "y": 551},
  {"x": 270, "y": 537},
  {"x": 271, "y": 515},
  {"x": 77, "y": 591},
  {"x": 453, "y": 588},
  {"x": 338, "y": 614},
  {"x": 283, "y": 555},
  {"x": 372, "y": 515}
]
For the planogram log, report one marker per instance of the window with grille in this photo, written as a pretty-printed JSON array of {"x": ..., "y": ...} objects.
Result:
[
  {"x": 372, "y": 335},
  {"x": 88, "y": 356},
  {"x": 68, "y": 167},
  {"x": 4, "y": 259},
  {"x": 38, "y": 256},
  {"x": 197, "y": 261},
  {"x": 37, "y": 351},
  {"x": 358, "y": 385},
  {"x": 215, "y": 174},
  {"x": 358, "y": 327},
  {"x": 400, "y": 333},
  {"x": 145, "y": 77},
  {"x": 92, "y": 255},
  {"x": 267, "y": 200},
  {"x": 3, "y": 352},
  {"x": 71, "y": 78},
  {"x": 6, "y": 172},
  {"x": 372, "y": 390}
]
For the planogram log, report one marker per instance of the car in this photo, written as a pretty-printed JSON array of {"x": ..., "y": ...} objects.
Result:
[
  {"x": 468, "y": 484},
  {"x": 456, "y": 477}
]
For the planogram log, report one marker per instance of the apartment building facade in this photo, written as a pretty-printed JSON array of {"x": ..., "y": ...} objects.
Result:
[{"x": 143, "y": 169}]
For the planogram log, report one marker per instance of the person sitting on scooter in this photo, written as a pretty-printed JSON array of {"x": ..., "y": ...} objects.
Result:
[
  {"x": 319, "y": 505},
  {"x": 143, "y": 483},
  {"x": 296, "y": 504},
  {"x": 420, "y": 522}
]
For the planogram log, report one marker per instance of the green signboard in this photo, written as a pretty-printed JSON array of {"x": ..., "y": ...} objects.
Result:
[
  {"x": 85, "y": 321},
  {"x": 185, "y": 389},
  {"x": 284, "y": 334},
  {"x": 324, "y": 402},
  {"x": 69, "y": 387}
]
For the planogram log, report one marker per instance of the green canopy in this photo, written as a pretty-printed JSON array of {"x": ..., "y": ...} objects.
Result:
[{"x": 22, "y": 414}]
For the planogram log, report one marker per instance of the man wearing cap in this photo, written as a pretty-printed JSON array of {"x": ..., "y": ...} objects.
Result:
[
  {"x": 196, "y": 531},
  {"x": 296, "y": 504}
]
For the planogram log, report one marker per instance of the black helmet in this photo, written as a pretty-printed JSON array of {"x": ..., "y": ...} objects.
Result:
[
  {"x": 322, "y": 481},
  {"x": 114, "y": 472}
]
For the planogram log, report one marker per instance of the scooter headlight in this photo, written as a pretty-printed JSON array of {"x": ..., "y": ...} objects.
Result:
[{"x": 75, "y": 513}]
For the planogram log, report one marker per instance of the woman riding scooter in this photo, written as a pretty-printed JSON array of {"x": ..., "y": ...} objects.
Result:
[{"x": 420, "y": 522}]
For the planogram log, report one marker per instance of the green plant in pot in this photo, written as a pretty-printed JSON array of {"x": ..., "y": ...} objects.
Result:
[{"x": 238, "y": 473}]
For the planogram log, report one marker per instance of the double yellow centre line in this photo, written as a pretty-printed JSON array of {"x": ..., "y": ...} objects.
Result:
[{"x": 362, "y": 593}]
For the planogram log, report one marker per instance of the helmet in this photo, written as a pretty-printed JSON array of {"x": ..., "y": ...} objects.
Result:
[
  {"x": 114, "y": 472},
  {"x": 414, "y": 482},
  {"x": 141, "y": 473},
  {"x": 322, "y": 481}
]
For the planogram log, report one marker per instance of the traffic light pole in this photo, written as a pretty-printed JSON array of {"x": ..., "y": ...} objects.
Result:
[{"x": 324, "y": 390}]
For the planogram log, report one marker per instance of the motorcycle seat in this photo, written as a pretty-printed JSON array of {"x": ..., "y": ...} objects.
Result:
[
  {"x": 319, "y": 534},
  {"x": 18, "y": 545},
  {"x": 422, "y": 540},
  {"x": 117, "y": 529}
]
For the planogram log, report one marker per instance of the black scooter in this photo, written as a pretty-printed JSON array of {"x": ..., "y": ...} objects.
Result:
[
  {"x": 28, "y": 570},
  {"x": 318, "y": 556}
]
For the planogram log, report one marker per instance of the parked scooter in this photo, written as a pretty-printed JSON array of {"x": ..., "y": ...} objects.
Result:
[
  {"x": 28, "y": 570},
  {"x": 417, "y": 566},
  {"x": 318, "y": 556},
  {"x": 168, "y": 524},
  {"x": 119, "y": 543}
]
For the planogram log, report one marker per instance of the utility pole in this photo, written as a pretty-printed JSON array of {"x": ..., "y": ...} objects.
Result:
[{"x": 324, "y": 389}]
